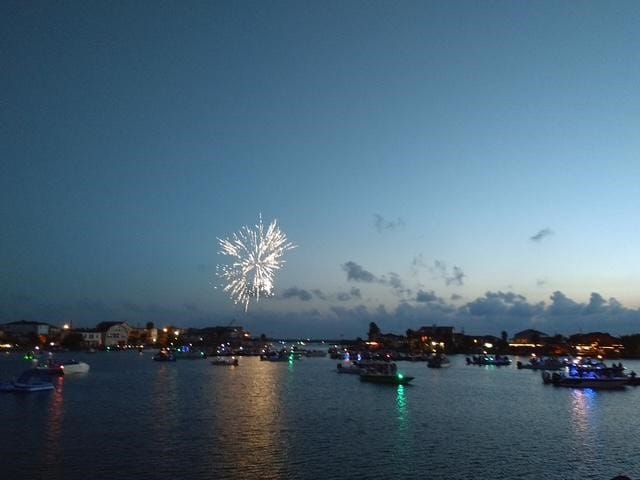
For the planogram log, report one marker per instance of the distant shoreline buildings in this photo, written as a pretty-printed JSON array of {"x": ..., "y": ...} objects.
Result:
[{"x": 119, "y": 335}]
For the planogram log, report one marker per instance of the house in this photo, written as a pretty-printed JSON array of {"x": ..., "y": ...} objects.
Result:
[
  {"x": 436, "y": 337},
  {"x": 596, "y": 343},
  {"x": 26, "y": 330},
  {"x": 114, "y": 334},
  {"x": 90, "y": 338}
]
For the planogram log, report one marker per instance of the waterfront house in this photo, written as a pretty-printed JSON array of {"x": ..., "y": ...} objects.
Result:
[
  {"x": 596, "y": 343},
  {"x": 90, "y": 338},
  {"x": 114, "y": 334}
]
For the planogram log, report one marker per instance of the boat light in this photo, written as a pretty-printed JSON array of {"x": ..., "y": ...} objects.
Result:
[{"x": 400, "y": 376}]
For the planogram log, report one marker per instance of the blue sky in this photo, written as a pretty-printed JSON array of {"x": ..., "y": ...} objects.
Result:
[{"x": 479, "y": 160}]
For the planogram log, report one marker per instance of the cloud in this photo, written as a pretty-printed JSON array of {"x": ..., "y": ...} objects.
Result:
[
  {"x": 541, "y": 282},
  {"x": 440, "y": 270},
  {"x": 425, "y": 297},
  {"x": 356, "y": 273},
  {"x": 456, "y": 277},
  {"x": 538, "y": 237},
  {"x": 295, "y": 292},
  {"x": 381, "y": 224},
  {"x": 318, "y": 293}
]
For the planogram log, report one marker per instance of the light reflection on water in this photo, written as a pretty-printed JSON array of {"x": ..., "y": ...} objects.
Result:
[{"x": 303, "y": 420}]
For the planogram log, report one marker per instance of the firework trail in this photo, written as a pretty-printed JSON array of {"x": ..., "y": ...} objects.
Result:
[{"x": 258, "y": 256}]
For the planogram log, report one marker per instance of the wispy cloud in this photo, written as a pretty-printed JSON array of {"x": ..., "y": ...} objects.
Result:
[
  {"x": 381, "y": 224},
  {"x": 295, "y": 292},
  {"x": 453, "y": 277},
  {"x": 541, "y": 235}
]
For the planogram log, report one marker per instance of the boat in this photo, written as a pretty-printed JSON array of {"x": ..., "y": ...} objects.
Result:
[
  {"x": 31, "y": 380},
  {"x": 70, "y": 367},
  {"x": 225, "y": 361},
  {"x": 384, "y": 372},
  {"x": 347, "y": 366},
  {"x": 278, "y": 356},
  {"x": 438, "y": 360},
  {"x": 164, "y": 356},
  {"x": 314, "y": 353},
  {"x": 484, "y": 359},
  {"x": 536, "y": 363},
  {"x": 589, "y": 375}
]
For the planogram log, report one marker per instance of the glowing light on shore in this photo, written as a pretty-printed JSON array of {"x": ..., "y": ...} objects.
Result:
[{"x": 258, "y": 256}]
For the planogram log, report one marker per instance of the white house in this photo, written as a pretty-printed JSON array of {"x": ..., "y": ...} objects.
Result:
[{"x": 114, "y": 333}]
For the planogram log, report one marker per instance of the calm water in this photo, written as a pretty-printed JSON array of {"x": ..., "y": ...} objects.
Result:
[{"x": 130, "y": 417}]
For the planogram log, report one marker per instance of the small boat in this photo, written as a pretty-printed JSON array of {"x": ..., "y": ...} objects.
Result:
[
  {"x": 225, "y": 361},
  {"x": 164, "y": 356},
  {"x": 438, "y": 360},
  {"x": 347, "y": 366},
  {"x": 496, "y": 360},
  {"x": 536, "y": 363},
  {"x": 52, "y": 367},
  {"x": 314, "y": 353},
  {"x": 280, "y": 356},
  {"x": 29, "y": 381},
  {"x": 384, "y": 372},
  {"x": 589, "y": 375}
]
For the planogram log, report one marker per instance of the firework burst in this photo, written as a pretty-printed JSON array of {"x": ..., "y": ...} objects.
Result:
[{"x": 257, "y": 257}]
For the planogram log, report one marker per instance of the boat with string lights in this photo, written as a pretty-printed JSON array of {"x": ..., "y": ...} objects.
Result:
[
  {"x": 588, "y": 374},
  {"x": 384, "y": 372}
]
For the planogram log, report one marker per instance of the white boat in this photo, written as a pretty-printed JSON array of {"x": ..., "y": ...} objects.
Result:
[
  {"x": 347, "y": 366},
  {"x": 29, "y": 381},
  {"x": 70, "y": 367}
]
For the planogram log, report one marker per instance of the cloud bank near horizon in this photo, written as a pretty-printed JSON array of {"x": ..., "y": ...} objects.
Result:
[{"x": 344, "y": 313}]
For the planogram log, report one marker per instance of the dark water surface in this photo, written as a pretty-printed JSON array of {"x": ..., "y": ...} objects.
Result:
[{"x": 130, "y": 417}]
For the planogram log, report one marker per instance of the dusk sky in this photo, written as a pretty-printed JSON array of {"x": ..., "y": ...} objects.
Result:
[{"x": 472, "y": 164}]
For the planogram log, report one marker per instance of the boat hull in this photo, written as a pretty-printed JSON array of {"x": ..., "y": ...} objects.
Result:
[{"x": 386, "y": 379}]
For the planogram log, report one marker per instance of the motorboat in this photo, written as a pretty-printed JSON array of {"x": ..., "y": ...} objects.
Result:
[
  {"x": 484, "y": 359},
  {"x": 69, "y": 367},
  {"x": 384, "y": 372},
  {"x": 31, "y": 380},
  {"x": 347, "y": 366},
  {"x": 189, "y": 353},
  {"x": 314, "y": 353},
  {"x": 537, "y": 363},
  {"x": 225, "y": 361},
  {"x": 589, "y": 375},
  {"x": 438, "y": 360},
  {"x": 278, "y": 356},
  {"x": 164, "y": 356}
]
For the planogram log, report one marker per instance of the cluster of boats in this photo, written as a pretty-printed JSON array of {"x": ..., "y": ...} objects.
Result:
[{"x": 38, "y": 378}]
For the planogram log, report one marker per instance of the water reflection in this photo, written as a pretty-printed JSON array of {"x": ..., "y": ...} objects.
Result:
[
  {"x": 582, "y": 402},
  {"x": 257, "y": 425},
  {"x": 53, "y": 433},
  {"x": 401, "y": 405}
]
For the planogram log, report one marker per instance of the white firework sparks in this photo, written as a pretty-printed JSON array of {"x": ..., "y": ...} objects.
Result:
[{"x": 258, "y": 256}]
